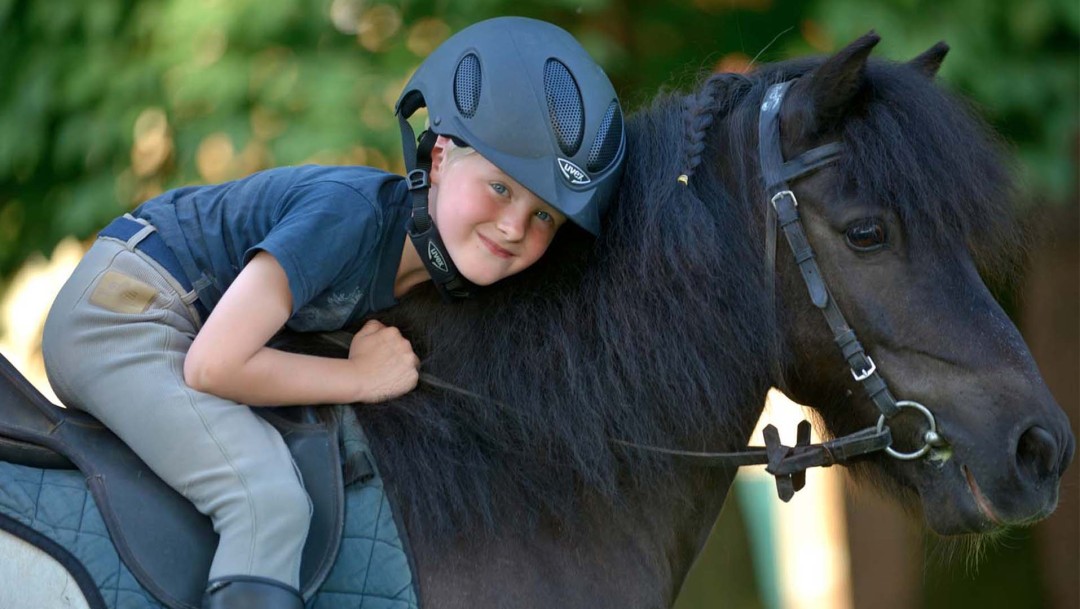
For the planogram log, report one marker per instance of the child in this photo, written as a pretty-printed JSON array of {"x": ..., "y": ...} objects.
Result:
[{"x": 161, "y": 331}]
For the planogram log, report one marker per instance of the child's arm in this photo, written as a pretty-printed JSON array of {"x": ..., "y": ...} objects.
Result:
[{"x": 229, "y": 357}]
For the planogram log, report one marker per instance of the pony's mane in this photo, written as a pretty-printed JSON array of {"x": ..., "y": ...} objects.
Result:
[{"x": 660, "y": 331}]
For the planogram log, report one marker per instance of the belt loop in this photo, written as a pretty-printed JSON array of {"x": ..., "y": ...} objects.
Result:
[
  {"x": 137, "y": 238},
  {"x": 143, "y": 233}
]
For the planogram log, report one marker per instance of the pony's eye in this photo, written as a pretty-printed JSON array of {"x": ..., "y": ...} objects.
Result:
[{"x": 866, "y": 235}]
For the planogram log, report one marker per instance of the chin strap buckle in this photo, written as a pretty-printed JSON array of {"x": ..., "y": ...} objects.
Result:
[{"x": 418, "y": 179}]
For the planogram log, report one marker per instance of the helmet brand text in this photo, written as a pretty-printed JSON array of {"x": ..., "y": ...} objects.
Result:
[
  {"x": 573, "y": 173},
  {"x": 436, "y": 257}
]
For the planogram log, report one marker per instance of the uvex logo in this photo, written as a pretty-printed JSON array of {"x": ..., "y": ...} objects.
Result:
[
  {"x": 436, "y": 257},
  {"x": 573, "y": 173}
]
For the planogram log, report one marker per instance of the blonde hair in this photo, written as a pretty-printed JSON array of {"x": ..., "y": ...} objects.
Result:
[{"x": 452, "y": 152}]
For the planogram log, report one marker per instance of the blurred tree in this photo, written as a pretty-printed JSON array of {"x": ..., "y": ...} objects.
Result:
[
  {"x": 1018, "y": 60},
  {"x": 107, "y": 103},
  {"x": 104, "y": 104}
]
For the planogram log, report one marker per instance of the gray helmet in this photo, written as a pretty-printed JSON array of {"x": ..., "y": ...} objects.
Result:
[{"x": 532, "y": 101}]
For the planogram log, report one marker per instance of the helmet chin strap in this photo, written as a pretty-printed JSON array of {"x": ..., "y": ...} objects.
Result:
[{"x": 420, "y": 227}]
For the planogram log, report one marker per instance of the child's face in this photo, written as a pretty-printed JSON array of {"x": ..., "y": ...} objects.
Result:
[{"x": 492, "y": 226}]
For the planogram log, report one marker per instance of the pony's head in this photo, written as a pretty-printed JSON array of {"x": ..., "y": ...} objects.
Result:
[{"x": 902, "y": 226}]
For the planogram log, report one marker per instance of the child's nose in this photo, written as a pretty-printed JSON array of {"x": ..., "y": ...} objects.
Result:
[{"x": 513, "y": 222}]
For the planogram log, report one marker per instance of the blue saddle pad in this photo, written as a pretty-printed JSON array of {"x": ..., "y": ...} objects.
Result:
[{"x": 371, "y": 571}]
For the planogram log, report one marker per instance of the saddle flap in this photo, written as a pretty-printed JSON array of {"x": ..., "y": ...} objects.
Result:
[
  {"x": 165, "y": 542},
  {"x": 168, "y": 545}
]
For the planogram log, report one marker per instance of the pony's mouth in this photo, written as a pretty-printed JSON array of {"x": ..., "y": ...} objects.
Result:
[{"x": 980, "y": 500}]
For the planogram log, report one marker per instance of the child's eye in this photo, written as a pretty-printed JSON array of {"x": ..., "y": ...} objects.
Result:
[
  {"x": 500, "y": 188},
  {"x": 544, "y": 216}
]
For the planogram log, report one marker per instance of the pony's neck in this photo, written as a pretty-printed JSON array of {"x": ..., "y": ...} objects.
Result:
[{"x": 705, "y": 276}]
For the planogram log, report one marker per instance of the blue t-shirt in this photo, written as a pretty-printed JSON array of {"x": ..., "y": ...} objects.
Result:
[{"x": 337, "y": 231}]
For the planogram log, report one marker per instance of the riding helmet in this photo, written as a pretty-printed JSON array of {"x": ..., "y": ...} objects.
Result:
[{"x": 531, "y": 100}]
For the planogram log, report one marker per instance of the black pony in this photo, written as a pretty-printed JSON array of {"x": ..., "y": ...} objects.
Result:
[{"x": 666, "y": 331}]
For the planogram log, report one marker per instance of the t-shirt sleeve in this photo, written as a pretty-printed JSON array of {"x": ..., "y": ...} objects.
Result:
[{"x": 322, "y": 230}]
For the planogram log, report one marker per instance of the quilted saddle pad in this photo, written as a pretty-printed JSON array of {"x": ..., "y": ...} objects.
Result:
[{"x": 372, "y": 569}]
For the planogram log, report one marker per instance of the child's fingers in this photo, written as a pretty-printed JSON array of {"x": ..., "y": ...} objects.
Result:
[
  {"x": 386, "y": 361},
  {"x": 372, "y": 326}
]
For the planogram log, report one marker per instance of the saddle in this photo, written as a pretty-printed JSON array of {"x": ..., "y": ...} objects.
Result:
[{"x": 165, "y": 542}]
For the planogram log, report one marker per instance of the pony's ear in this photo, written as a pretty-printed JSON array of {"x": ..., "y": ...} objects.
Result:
[
  {"x": 833, "y": 86},
  {"x": 930, "y": 60}
]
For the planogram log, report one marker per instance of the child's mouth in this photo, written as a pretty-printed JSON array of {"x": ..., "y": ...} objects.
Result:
[{"x": 495, "y": 249}]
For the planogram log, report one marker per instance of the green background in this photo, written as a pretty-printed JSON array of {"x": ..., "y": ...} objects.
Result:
[{"x": 289, "y": 81}]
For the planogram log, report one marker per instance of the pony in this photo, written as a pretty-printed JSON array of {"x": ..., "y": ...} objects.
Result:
[
  {"x": 665, "y": 332},
  {"x": 529, "y": 467}
]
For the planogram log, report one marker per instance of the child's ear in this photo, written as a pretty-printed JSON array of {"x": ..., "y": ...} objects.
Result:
[{"x": 438, "y": 154}]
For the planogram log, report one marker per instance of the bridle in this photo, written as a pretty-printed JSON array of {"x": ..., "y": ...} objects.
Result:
[{"x": 788, "y": 464}]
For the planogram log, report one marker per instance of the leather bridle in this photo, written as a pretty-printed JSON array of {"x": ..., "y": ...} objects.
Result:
[{"x": 788, "y": 464}]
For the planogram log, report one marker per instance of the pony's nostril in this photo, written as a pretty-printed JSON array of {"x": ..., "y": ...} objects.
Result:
[{"x": 1037, "y": 454}]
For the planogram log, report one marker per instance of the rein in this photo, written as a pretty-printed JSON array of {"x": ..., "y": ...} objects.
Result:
[{"x": 787, "y": 464}]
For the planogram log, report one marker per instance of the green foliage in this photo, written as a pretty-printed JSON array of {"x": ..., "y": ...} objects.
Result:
[
  {"x": 1016, "y": 59},
  {"x": 105, "y": 103},
  {"x": 224, "y": 88}
]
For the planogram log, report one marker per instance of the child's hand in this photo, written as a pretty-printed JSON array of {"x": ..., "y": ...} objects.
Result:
[{"x": 385, "y": 363}]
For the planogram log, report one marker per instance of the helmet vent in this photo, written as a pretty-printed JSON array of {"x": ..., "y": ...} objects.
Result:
[
  {"x": 467, "y": 85},
  {"x": 608, "y": 139},
  {"x": 565, "y": 107}
]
